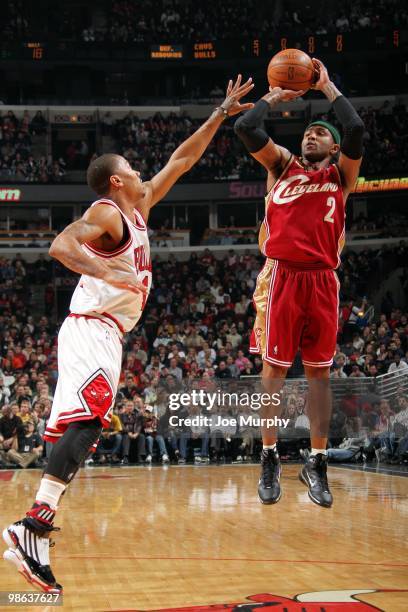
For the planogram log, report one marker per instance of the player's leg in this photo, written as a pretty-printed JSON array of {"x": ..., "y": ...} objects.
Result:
[
  {"x": 269, "y": 489},
  {"x": 28, "y": 539},
  {"x": 319, "y": 406},
  {"x": 318, "y": 347},
  {"x": 89, "y": 359},
  {"x": 277, "y": 331}
]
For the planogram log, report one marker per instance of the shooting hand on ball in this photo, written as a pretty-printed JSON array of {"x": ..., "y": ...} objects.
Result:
[
  {"x": 236, "y": 91},
  {"x": 277, "y": 94},
  {"x": 322, "y": 75},
  {"x": 323, "y": 82}
]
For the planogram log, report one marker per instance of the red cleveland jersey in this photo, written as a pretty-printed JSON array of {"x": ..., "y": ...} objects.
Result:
[{"x": 304, "y": 219}]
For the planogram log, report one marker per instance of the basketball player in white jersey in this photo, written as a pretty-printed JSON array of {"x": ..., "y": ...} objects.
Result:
[{"x": 109, "y": 247}]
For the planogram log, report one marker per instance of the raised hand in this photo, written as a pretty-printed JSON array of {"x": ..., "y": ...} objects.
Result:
[
  {"x": 321, "y": 74},
  {"x": 323, "y": 82},
  {"x": 236, "y": 91}
]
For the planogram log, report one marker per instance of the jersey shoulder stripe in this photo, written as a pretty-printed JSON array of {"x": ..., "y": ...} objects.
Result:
[
  {"x": 139, "y": 221},
  {"x": 121, "y": 249}
]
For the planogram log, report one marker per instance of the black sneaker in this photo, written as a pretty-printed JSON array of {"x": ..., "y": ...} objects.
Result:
[
  {"x": 314, "y": 475},
  {"x": 28, "y": 551},
  {"x": 269, "y": 489}
]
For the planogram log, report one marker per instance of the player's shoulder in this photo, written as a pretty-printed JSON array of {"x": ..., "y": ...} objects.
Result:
[
  {"x": 277, "y": 172},
  {"x": 101, "y": 210},
  {"x": 282, "y": 164},
  {"x": 104, "y": 204},
  {"x": 286, "y": 156}
]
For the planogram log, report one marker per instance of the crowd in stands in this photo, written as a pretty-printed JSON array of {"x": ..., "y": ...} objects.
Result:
[
  {"x": 194, "y": 333},
  {"x": 148, "y": 143},
  {"x": 385, "y": 138},
  {"x": 126, "y": 21},
  {"x": 391, "y": 225},
  {"x": 229, "y": 236},
  {"x": 325, "y": 17},
  {"x": 17, "y": 162}
]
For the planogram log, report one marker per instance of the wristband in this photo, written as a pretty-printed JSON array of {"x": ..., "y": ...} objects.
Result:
[{"x": 224, "y": 111}]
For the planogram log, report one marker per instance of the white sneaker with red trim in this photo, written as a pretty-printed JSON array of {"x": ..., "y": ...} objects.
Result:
[{"x": 28, "y": 550}]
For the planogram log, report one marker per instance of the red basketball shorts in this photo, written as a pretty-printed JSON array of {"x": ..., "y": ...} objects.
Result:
[
  {"x": 89, "y": 363},
  {"x": 295, "y": 309}
]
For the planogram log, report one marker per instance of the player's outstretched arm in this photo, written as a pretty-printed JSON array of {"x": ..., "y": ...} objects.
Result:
[
  {"x": 248, "y": 128},
  {"x": 67, "y": 247},
  {"x": 351, "y": 149},
  {"x": 190, "y": 151}
]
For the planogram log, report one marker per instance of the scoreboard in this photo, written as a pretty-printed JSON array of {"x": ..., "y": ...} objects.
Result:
[
  {"x": 166, "y": 52},
  {"x": 207, "y": 50}
]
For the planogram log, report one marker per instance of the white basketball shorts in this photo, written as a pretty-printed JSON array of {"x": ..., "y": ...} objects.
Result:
[{"x": 89, "y": 363}]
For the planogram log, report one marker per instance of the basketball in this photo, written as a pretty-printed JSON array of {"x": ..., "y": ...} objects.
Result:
[{"x": 291, "y": 69}]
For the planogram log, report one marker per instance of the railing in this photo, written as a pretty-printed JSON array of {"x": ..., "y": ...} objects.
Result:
[
  {"x": 169, "y": 238},
  {"x": 16, "y": 239},
  {"x": 386, "y": 385}
]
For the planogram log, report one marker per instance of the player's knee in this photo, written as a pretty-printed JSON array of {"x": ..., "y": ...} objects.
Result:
[
  {"x": 314, "y": 373},
  {"x": 84, "y": 435},
  {"x": 72, "y": 449},
  {"x": 270, "y": 372}
]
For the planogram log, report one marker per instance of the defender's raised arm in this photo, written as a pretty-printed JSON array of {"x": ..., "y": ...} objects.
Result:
[{"x": 192, "y": 149}]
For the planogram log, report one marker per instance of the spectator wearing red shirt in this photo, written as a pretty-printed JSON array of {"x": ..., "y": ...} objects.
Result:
[{"x": 350, "y": 404}]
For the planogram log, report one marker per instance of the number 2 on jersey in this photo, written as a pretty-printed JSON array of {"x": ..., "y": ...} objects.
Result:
[{"x": 332, "y": 203}]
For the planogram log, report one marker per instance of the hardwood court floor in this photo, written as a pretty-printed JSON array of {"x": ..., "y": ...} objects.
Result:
[{"x": 157, "y": 538}]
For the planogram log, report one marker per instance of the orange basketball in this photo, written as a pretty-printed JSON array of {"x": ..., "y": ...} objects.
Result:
[{"x": 291, "y": 69}]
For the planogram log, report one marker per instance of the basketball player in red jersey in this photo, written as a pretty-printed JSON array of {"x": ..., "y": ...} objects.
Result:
[
  {"x": 109, "y": 247},
  {"x": 302, "y": 236}
]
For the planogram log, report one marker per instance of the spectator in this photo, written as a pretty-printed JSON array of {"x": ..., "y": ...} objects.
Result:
[
  {"x": 11, "y": 426},
  {"x": 132, "y": 425},
  {"x": 223, "y": 371},
  {"x": 150, "y": 423},
  {"x": 174, "y": 369},
  {"x": 110, "y": 441},
  {"x": 199, "y": 434},
  {"x": 38, "y": 123},
  {"x": 302, "y": 420},
  {"x": 398, "y": 365},
  {"x": 29, "y": 449}
]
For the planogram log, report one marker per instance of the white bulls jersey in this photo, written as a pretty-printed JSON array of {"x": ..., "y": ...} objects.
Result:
[{"x": 94, "y": 296}]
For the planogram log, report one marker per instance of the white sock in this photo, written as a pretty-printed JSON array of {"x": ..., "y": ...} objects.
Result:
[
  {"x": 269, "y": 446},
  {"x": 316, "y": 451},
  {"x": 50, "y": 492}
]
